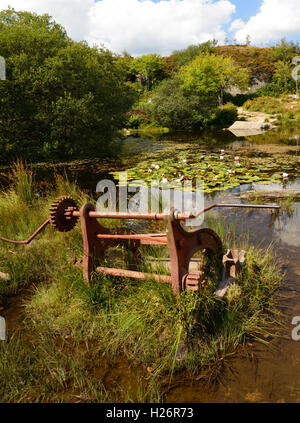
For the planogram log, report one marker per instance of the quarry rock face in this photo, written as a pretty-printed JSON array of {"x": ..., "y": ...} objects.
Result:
[{"x": 256, "y": 84}]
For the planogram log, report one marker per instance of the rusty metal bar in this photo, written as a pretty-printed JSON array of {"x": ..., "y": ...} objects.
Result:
[
  {"x": 30, "y": 239},
  {"x": 134, "y": 275},
  {"x": 161, "y": 239},
  {"x": 123, "y": 215},
  {"x": 142, "y": 216},
  {"x": 161, "y": 216}
]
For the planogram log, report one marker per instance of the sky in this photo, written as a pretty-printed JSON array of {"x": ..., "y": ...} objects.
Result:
[{"x": 162, "y": 26}]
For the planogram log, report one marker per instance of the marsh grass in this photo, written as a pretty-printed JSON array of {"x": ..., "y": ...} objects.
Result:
[{"x": 74, "y": 339}]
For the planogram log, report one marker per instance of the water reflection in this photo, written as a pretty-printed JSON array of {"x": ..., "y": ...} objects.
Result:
[{"x": 287, "y": 226}]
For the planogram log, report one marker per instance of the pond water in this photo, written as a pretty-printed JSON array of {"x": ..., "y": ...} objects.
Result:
[{"x": 264, "y": 374}]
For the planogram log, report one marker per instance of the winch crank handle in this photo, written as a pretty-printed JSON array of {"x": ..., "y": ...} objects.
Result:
[
  {"x": 31, "y": 238},
  {"x": 220, "y": 205}
]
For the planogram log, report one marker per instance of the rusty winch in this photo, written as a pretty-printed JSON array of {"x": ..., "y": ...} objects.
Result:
[{"x": 182, "y": 244}]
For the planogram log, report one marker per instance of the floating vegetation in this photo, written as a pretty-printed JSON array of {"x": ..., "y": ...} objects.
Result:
[{"x": 218, "y": 170}]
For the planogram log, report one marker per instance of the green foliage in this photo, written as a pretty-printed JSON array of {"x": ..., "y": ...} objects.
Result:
[
  {"x": 212, "y": 75},
  {"x": 238, "y": 99},
  {"x": 150, "y": 67},
  {"x": 174, "y": 108},
  {"x": 187, "y": 55},
  {"x": 217, "y": 171},
  {"x": 284, "y": 51},
  {"x": 125, "y": 62},
  {"x": 283, "y": 76},
  {"x": 257, "y": 60},
  {"x": 269, "y": 90},
  {"x": 134, "y": 122},
  {"x": 265, "y": 104},
  {"x": 226, "y": 115},
  {"x": 61, "y": 99}
]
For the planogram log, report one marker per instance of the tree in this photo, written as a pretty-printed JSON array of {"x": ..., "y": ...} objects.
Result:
[
  {"x": 283, "y": 76},
  {"x": 150, "y": 67},
  {"x": 126, "y": 66},
  {"x": 61, "y": 99},
  {"x": 175, "y": 108},
  {"x": 187, "y": 55},
  {"x": 209, "y": 75},
  {"x": 285, "y": 51}
]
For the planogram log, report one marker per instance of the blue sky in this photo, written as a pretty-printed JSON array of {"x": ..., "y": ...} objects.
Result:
[
  {"x": 154, "y": 26},
  {"x": 246, "y": 8}
]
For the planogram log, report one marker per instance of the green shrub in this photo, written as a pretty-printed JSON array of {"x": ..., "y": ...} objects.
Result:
[
  {"x": 247, "y": 104},
  {"x": 63, "y": 99},
  {"x": 226, "y": 115},
  {"x": 134, "y": 122},
  {"x": 269, "y": 90},
  {"x": 238, "y": 99},
  {"x": 172, "y": 107}
]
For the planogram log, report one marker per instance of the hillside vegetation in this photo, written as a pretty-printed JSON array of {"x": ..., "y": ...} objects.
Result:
[
  {"x": 65, "y": 100},
  {"x": 259, "y": 60}
]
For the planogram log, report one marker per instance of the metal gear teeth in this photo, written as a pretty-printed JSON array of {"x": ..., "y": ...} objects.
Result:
[{"x": 58, "y": 219}]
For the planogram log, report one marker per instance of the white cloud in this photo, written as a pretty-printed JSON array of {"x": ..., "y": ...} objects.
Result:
[
  {"x": 276, "y": 19},
  {"x": 145, "y": 27},
  {"x": 237, "y": 24},
  {"x": 73, "y": 15},
  {"x": 138, "y": 26}
]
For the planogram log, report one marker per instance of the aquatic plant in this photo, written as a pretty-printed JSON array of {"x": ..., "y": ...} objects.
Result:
[{"x": 218, "y": 172}]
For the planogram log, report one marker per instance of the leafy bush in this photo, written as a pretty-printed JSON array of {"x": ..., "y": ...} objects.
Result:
[
  {"x": 247, "y": 104},
  {"x": 239, "y": 99},
  {"x": 174, "y": 108},
  {"x": 134, "y": 122},
  {"x": 269, "y": 90},
  {"x": 61, "y": 99},
  {"x": 284, "y": 51},
  {"x": 213, "y": 75},
  {"x": 226, "y": 115},
  {"x": 187, "y": 55}
]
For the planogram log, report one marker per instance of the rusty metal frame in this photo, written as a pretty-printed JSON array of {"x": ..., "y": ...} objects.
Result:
[{"x": 182, "y": 245}]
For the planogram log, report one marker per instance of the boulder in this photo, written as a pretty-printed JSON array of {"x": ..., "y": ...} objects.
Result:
[{"x": 244, "y": 129}]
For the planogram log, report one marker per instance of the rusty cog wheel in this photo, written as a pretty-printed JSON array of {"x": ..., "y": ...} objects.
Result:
[{"x": 60, "y": 214}]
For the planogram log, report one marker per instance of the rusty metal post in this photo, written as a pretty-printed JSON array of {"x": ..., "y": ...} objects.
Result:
[
  {"x": 91, "y": 245},
  {"x": 182, "y": 246}
]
